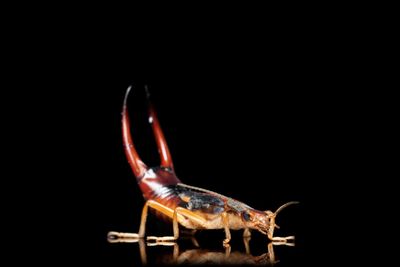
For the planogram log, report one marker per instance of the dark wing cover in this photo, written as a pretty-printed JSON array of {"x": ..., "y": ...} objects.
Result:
[{"x": 200, "y": 201}]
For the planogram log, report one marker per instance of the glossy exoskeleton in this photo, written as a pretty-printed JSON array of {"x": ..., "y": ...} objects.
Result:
[{"x": 188, "y": 206}]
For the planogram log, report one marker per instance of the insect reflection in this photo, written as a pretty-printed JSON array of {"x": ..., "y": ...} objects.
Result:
[{"x": 202, "y": 256}]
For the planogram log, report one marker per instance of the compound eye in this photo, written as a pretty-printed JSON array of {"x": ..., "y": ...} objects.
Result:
[{"x": 246, "y": 216}]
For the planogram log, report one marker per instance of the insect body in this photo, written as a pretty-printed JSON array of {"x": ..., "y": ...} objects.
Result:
[{"x": 191, "y": 207}]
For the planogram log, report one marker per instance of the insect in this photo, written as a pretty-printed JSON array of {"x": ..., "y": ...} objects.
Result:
[{"x": 185, "y": 205}]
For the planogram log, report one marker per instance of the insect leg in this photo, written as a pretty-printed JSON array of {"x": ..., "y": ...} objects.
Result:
[
  {"x": 179, "y": 214},
  {"x": 226, "y": 227},
  {"x": 276, "y": 239},
  {"x": 246, "y": 232},
  {"x": 175, "y": 228},
  {"x": 114, "y": 237},
  {"x": 117, "y": 237}
]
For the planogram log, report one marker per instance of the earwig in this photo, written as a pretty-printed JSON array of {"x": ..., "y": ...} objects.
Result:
[{"x": 188, "y": 206}]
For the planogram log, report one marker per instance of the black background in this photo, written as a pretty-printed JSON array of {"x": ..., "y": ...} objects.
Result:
[{"x": 265, "y": 117}]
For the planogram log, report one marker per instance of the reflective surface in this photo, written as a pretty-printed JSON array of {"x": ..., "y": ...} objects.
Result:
[{"x": 189, "y": 252}]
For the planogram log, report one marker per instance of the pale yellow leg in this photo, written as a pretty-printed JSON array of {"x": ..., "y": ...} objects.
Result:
[
  {"x": 117, "y": 237},
  {"x": 142, "y": 227},
  {"x": 225, "y": 221},
  {"x": 178, "y": 214},
  {"x": 246, "y": 232},
  {"x": 175, "y": 228},
  {"x": 114, "y": 237},
  {"x": 276, "y": 239}
]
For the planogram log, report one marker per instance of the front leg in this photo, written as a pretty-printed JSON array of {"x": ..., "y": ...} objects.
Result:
[
  {"x": 277, "y": 240},
  {"x": 246, "y": 232}
]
